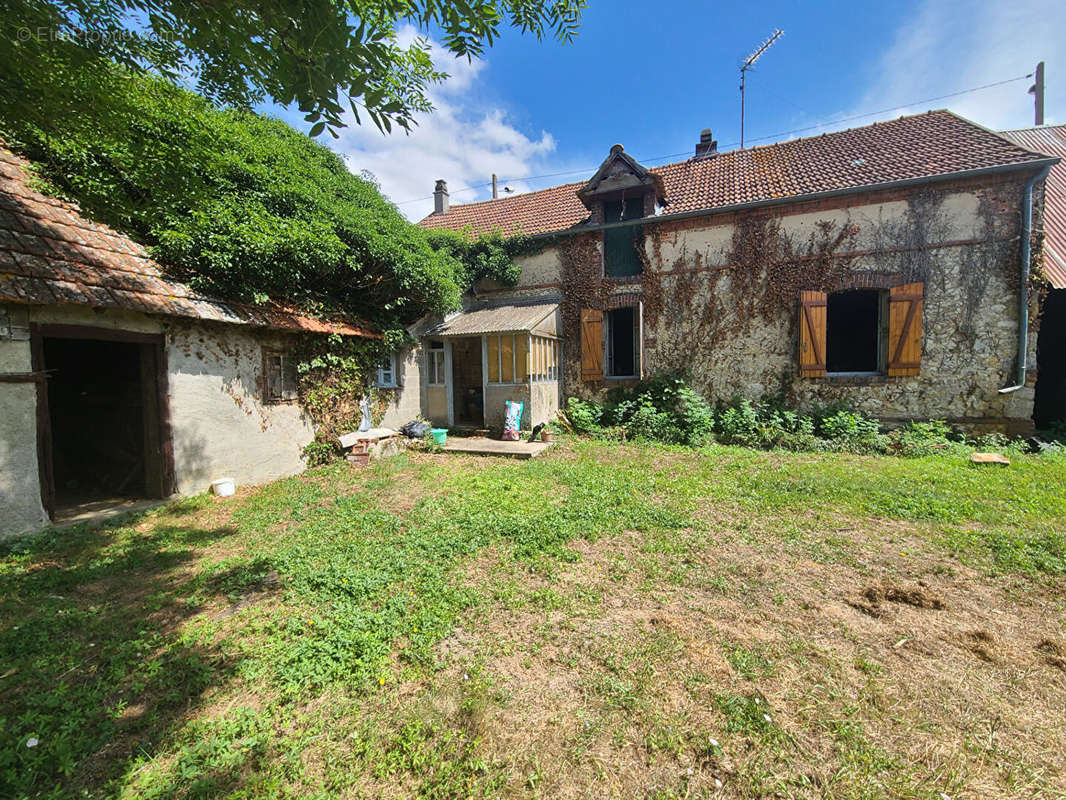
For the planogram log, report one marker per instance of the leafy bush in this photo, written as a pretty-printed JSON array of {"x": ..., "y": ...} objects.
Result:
[
  {"x": 584, "y": 415},
  {"x": 921, "y": 439},
  {"x": 662, "y": 408},
  {"x": 851, "y": 432}
]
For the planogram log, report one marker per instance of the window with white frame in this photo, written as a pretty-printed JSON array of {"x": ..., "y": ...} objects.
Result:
[
  {"x": 544, "y": 359},
  {"x": 387, "y": 372},
  {"x": 435, "y": 363}
]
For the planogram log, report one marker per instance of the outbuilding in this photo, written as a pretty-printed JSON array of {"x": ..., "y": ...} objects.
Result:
[{"x": 117, "y": 382}]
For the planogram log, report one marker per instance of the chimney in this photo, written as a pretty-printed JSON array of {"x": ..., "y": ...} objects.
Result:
[
  {"x": 706, "y": 147},
  {"x": 495, "y": 190},
  {"x": 440, "y": 197}
]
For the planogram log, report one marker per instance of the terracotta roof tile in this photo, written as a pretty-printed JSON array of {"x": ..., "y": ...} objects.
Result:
[
  {"x": 1050, "y": 139},
  {"x": 50, "y": 254},
  {"x": 927, "y": 145}
]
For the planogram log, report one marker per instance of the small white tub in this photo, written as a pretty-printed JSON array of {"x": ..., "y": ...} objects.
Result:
[{"x": 224, "y": 487}]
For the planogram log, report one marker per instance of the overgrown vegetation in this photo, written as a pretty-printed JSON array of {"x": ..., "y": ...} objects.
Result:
[
  {"x": 243, "y": 206},
  {"x": 666, "y": 409},
  {"x": 444, "y": 627}
]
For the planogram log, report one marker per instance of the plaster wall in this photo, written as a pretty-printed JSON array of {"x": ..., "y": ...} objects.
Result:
[
  {"x": 437, "y": 405},
  {"x": 221, "y": 427},
  {"x": 544, "y": 402},
  {"x": 20, "y": 492},
  {"x": 496, "y": 395},
  {"x": 402, "y": 404}
]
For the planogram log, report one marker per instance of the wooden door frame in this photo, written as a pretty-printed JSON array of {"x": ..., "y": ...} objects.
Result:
[{"x": 159, "y": 472}]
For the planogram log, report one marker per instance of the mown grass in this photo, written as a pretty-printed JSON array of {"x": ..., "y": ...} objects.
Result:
[{"x": 253, "y": 647}]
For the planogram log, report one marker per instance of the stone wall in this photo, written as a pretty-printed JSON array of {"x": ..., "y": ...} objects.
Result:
[{"x": 720, "y": 298}]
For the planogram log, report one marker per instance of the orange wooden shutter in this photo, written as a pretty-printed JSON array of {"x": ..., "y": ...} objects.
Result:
[
  {"x": 591, "y": 344},
  {"x": 812, "y": 334},
  {"x": 905, "y": 329}
]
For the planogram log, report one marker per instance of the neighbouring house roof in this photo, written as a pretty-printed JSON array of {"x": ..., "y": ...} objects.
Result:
[
  {"x": 495, "y": 319},
  {"x": 51, "y": 255},
  {"x": 1050, "y": 139},
  {"x": 926, "y": 146}
]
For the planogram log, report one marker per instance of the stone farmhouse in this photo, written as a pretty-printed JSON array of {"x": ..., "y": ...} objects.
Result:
[{"x": 892, "y": 266}]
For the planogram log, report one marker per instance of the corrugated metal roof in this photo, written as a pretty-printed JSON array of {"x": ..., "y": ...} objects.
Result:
[
  {"x": 1050, "y": 139},
  {"x": 50, "y": 254},
  {"x": 495, "y": 319}
]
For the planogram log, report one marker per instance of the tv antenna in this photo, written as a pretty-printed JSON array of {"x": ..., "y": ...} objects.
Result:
[{"x": 749, "y": 62}]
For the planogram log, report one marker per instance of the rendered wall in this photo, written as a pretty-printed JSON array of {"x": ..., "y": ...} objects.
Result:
[
  {"x": 437, "y": 405},
  {"x": 497, "y": 395},
  {"x": 20, "y": 491},
  {"x": 220, "y": 425},
  {"x": 544, "y": 402},
  {"x": 402, "y": 404}
]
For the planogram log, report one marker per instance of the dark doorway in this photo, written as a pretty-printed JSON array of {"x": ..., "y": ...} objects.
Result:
[
  {"x": 467, "y": 378},
  {"x": 621, "y": 342},
  {"x": 102, "y": 418},
  {"x": 1050, "y": 402},
  {"x": 853, "y": 331}
]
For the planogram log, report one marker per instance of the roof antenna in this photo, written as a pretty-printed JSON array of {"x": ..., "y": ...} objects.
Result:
[
  {"x": 1037, "y": 90},
  {"x": 749, "y": 62}
]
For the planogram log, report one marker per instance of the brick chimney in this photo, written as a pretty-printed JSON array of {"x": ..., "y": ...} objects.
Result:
[
  {"x": 706, "y": 147},
  {"x": 440, "y": 197}
]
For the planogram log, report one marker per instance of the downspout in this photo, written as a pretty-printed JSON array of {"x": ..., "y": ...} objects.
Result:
[{"x": 1023, "y": 292}]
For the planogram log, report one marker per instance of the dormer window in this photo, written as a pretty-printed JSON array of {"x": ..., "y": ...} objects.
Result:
[{"x": 620, "y": 256}]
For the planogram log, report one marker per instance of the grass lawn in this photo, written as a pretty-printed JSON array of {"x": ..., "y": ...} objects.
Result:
[{"x": 608, "y": 621}]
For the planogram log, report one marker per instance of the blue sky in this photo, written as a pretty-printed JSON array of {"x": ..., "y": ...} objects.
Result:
[{"x": 652, "y": 75}]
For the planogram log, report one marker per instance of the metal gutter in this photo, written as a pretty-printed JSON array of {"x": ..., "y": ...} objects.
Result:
[
  {"x": 1045, "y": 163},
  {"x": 1023, "y": 289}
]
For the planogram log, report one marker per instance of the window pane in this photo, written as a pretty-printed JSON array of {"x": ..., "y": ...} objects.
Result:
[
  {"x": 521, "y": 357},
  {"x": 506, "y": 359},
  {"x": 494, "y": 359},
  {"x": 853, "y": 331}
]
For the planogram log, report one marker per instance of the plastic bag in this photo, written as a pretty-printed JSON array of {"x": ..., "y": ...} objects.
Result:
[
  {"x": 512, "y": 420},
  {"x": 415, "y": 429}
]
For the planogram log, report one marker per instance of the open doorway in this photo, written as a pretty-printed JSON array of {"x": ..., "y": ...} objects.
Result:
[
  {"x": 102, "y": 418},
  {"x": 468, "y": 383}
]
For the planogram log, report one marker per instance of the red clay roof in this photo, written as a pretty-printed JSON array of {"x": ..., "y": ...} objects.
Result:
[
  {"x": 50, "y": 254},
  {"x": 1050, "y": 139},
  {"x": 928, "y": 145}
]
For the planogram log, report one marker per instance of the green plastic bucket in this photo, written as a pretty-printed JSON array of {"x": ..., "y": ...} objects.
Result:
[{"x": 440, "y": 436}]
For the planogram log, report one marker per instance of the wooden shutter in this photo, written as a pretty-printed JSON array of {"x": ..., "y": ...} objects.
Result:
[
  {"x": 812, "y": 334},
  {"x": 591, "y": 344},
  {"x": 905, "y": 329}
]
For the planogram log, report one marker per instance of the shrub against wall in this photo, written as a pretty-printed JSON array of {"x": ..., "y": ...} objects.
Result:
[{"x": 666, "y": 409}]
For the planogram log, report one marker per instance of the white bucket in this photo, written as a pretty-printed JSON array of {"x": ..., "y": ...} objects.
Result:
[{"x": 224, "y": 487}]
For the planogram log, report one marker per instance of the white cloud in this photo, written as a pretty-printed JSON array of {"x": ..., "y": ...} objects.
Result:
[
  {"x": 949, "y": 45},
  {"x": 462, "y": 141}
]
